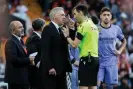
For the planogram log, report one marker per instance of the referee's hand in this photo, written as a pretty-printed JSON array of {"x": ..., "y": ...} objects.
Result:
[{"x": 65, "y": 31}]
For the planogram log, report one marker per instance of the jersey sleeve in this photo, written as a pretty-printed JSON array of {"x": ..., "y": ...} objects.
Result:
[
  {"x": 120, "y": 35},
  {"x": 80, "y": 32}
]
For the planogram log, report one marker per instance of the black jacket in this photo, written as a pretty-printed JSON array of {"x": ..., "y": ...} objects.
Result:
[{"x": 17, "y": 62}]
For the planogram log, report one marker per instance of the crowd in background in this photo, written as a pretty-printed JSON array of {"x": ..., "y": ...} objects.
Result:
[{"x": 122, "y": 11}]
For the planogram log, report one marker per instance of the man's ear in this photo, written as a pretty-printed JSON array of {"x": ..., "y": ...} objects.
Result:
[
  {"x": 100, "y": 16},
  {"x": 13, "y": 30},
  {"x": 81, "y": 13},
  {"x": 111, "y": 16}
]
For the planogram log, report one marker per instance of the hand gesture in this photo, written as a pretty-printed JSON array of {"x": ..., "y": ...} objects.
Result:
[
  {"x": 65, "y": 31},
  {"x": 76, "y": 63},
  {"x": 69, "y": 22},
  {"x": 32, "y": 60}
]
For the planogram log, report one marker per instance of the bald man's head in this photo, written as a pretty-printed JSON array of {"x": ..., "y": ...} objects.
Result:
[{"x": 16, "y": 28}]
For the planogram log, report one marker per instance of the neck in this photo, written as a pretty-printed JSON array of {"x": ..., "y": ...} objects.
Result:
[
  {"x": 84, "y": 18},
  {"x": 105, "y": 25},
  {"x": 16, "y": 35},
  {"x": 56, "y": 22},
  {"x": 38, "y": 31}
]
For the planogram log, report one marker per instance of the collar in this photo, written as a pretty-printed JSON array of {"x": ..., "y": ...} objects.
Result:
[
  {"x": 56, "y": 25},
  {"x": 19, "y": 38},
  {"x": 37, "y": 33}
]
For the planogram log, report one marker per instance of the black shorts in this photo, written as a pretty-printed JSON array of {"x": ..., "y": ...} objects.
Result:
[{"x": 88, "y": 70}]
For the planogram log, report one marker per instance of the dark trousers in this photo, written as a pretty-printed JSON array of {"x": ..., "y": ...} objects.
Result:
[
  {"x": 54, "y": 82},
  {"x": 18, "y": 86},
  {"x": 33, "y": 87},
  {"x": 33, "y": 77}
]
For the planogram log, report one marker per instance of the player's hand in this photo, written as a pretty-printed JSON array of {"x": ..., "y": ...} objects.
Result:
[
  {"x": 71, "y": 23},
  {"x": 32, "y": 60},
  {"x": 76, "y": 63},
  {"x": 117, "y": 52}
]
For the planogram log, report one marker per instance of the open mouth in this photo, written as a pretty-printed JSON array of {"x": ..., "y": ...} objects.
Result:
[{"x": 22, "y": 32}]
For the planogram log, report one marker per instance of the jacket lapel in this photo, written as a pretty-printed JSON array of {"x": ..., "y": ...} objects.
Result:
[{"x": 19, "y": 45}]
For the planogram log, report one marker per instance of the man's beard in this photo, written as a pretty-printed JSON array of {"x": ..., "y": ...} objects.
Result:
[
  {"x": 106, "y": 22},
  {"x": 21, "y": 34}
]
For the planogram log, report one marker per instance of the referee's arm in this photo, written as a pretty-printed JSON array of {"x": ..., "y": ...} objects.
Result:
[{"x": 74, "y": 43}]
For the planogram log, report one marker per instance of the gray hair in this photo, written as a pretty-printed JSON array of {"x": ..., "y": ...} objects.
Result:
[{"x": 54, "y": 11}]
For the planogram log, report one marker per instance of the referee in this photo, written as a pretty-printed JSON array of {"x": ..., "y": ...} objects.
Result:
[{"x": 87, "y": 41}]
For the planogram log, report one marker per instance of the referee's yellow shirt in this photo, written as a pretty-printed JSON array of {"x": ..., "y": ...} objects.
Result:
[{"x": 88, "y": 34}]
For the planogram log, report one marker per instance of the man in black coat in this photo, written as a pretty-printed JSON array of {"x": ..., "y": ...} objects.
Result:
[
  {"x": 33, "y": 45},
  {"x": 17, "y": 61},
  {"x": 54, "y": 53}
]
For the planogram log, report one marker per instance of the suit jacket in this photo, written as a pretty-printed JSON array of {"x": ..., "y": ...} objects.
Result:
[
  {"x": 54, "y": 52},
  {"x": 33, "y": 45},
  {"x": 17, "y": 62}
]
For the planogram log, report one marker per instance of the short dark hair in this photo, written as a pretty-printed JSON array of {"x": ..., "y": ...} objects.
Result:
[
  {"x": 37, "y": 24},
  {"x": 105, "y": 9},
  {"x": 83, "y": 8},
  {"x": 95, "y": 19}
]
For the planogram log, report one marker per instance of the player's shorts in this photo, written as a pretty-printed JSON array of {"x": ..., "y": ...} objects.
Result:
[
  {"x": 88, "y": 69},
  {"x": 108, "y": 74}
]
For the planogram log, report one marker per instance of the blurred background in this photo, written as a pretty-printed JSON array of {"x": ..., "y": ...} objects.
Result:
[{"x": 27, "y": 10}]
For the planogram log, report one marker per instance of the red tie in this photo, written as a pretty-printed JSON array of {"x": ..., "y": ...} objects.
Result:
[
  {"x": 25, "y": 50},
  {"x": 22, "y": 42}
]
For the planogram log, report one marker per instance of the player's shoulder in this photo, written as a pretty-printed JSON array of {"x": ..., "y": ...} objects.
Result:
[
  {"x": 99, "y": 27},
  {"x": 115, "y": 26}
]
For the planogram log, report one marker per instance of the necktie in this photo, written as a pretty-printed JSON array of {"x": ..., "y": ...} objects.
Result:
[
  {"x": 61, "y": 33},
  {"x": 22, "y": 42},
  {"x": 23, "y": 45},
  {"x": 60, "y": 30}
]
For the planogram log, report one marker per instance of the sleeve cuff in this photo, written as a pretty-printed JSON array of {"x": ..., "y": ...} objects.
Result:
[{"x": 79, "y": 36}]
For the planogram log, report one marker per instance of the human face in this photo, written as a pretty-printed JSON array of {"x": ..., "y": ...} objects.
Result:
[
  {"x": 106, "y": 17},
  {"x": 19, "y": 30},
  {"x": 77, "y": 16},
  {"x": 59, "y": 17}
]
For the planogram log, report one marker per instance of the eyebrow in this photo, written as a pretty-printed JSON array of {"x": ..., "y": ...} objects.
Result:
[
  {"x": 106, "y": 14},
  {"x": 20, "y": 26}
]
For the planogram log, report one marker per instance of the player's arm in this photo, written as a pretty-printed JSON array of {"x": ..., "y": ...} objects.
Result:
[
  {"x": 123, "y": 45},
  {"x": 121, "y": 37}
]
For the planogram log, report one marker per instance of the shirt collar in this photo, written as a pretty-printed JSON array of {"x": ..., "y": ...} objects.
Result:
[
  {"x": 56, "y": 25},
  {"x": 37, "y": 33},
  {"x": 19, "y": 38}
]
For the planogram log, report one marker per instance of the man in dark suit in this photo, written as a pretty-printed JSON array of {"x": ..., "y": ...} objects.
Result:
[
  {"x": 54, "y": 53},
  {"x": 33, "y": 45},
  {"x": 17, "y": 61}
]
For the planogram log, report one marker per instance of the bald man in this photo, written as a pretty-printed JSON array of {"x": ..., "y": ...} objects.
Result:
[{"x": 17, "y": 61}]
